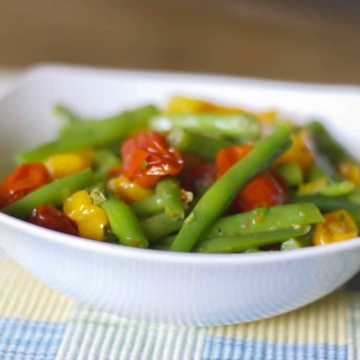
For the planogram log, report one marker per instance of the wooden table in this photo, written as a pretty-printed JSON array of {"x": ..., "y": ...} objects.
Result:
[{"x": 283, "y": 40}]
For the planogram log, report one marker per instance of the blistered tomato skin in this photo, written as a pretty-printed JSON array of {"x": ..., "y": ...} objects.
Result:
[
  {"x": 23, "y": 180},
  {"x": 147, "y": 157},
  {"x": 49, "y": 217}
]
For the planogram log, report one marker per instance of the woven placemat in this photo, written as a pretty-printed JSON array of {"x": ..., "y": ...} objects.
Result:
[{"x": 37, "y": 322}]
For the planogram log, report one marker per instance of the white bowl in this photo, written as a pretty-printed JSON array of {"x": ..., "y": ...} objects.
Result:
[{"x": 155, "y": 286}]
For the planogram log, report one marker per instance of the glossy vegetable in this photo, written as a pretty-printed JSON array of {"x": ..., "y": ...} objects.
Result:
[
  {"x": 350, "y": 171},
  {"x": 299, "y": 152},
  {"x": 350, "y": 202},
  {"x": 123, "y": 221},
  {"x": 239, "y": 243},
  {"x": 103, "y": 162},
  {"x": 205, "y": 147},
  {"x": 327, "y": 145},
  {"x": 128, "y": 190},
  {"x": 264, "y": 219},
  {"x": 185, "y": 105},
  {"x": 61, "y": 165},
  {"x": 23, "y": 180},
  {"x": 50, "y": 217},
  {"x": 157, "y": 226},
  {"x": 92, "y": 134},
  {"x": 263, "y": 190},
  {"x": 53, "y": 193},
  {"x": 147, "y": 157},
  {"x": 323, "y": 180},
  {"x": 290, "y": 172},
  {"x": 212, "y": 204},
  {"x": 197, "y": 176},
  {"x": 90, "y": 218},
  {"x": 338, "y": 226},
  {"x": 169, "y": 190},
  {"x": 148, "y": 206},
  {"x": 233, "y": 126}
]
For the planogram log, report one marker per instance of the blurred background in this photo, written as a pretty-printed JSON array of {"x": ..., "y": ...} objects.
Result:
[{"x": 317, "y": 41}]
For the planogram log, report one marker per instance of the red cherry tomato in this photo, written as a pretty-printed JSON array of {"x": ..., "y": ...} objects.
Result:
[
  {"x": 199, "y": 177},
  {"x": 147, "y": 157},
  {"x": 227, "y": 157},
  {"x": 49, "y": 217},
  {"x": 263, "y": 190},
  {"x": 24, "y": 179}
]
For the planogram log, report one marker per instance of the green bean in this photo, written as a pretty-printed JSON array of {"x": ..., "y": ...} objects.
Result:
[
  {"x": 265, "y": 219},
  {"x": 327, "y": 145},
  {"x": 159, "y": 226},
  {"x": 291, "y": 172},
  {"x": 169, "y": 190},
  {"x": 259, "y": 220},
  {"x": 92, "y": 134},
  {"x": 109, "y": 235},
  {"x": 123, "y": 222},
  {"x": 296, "y": 238},
  {"x": 54, "y": 193},
  {"x": 103, "y": 161},
  {"x": 295, "y": 243},
  {"x": 316, "y": 172},
  {"x": 68, "y": 117},
  {"x": 232, "y": 126},
  {"x": 148, "y": 206},
  {"x": 321, "y": 180},
  {"x": 338, "y": 188},
  {"x": 326, "y": 187},
  {"x": 219, "y": 196},
  {"x": 205, "y": 147},
  {"x": 238, "y": 243},
  {"x": 349, "y": 202},
  {"x": 115, "y": 127}
]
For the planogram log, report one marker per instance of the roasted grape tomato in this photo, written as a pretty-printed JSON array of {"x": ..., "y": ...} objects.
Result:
[
  {"x": 24, "y": 179},
  {"x": 49, "y": 217},
  {"x": 147, "y": 157},
  {"x": 199, "y": 177},
  {"x": 264, "y": 190}
]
